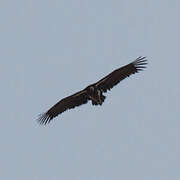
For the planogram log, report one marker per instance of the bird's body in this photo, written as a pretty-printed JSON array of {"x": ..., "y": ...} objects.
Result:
[
  {"x": 95, "y": 95},
  {"x": 93, "y": 92}
]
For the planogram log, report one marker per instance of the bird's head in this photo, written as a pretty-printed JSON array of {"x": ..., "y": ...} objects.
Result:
[{"x": 90, "y": 90}]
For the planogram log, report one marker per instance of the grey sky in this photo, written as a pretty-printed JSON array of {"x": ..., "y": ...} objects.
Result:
[{"x": 50, "y": 49}]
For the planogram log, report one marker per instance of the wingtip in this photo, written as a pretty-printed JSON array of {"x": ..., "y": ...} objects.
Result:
[
  {"x": 43, "y": 119},
  {"x": 141, "y": 59},
  {"x": 140, "y": 63}
]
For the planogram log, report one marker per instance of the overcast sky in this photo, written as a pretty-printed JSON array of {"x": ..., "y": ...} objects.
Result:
[{"x": 51, "y": 49}]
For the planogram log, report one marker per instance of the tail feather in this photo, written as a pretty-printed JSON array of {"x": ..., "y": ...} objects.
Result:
[
  {"x": 94, "y": 103},
  {"x": 100, "y": 103},
  {"x": 103, "y": 98}
]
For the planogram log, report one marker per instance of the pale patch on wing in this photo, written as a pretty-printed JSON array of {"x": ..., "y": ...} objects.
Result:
[
  {"x": 99, "y": 95},
  {"x": 79, "y": 93}
]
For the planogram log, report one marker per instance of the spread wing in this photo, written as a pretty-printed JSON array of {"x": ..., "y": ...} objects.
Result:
[
  {"x": 69, "y": 102},
  {"x": 118, "y": 75}
]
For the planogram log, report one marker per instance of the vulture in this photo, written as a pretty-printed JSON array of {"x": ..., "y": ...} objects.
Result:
[{"x": 93, "y": 92}]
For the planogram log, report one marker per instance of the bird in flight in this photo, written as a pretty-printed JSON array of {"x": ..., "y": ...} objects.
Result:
[{"x": 93, "y": 92}]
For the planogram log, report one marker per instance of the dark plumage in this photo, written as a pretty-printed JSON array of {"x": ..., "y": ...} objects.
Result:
[{"x": 94, "y": 92}]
